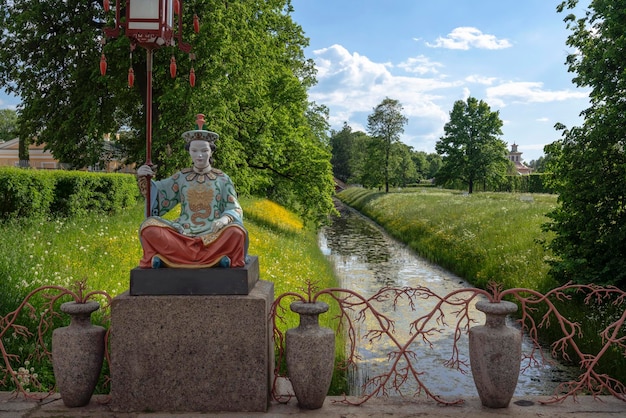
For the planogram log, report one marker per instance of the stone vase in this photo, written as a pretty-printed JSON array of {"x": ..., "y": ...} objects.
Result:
[
  {"x": 495, "y": 351},
  {"x": 310, "y": 354},
  {"x": 77, "y": 354}
]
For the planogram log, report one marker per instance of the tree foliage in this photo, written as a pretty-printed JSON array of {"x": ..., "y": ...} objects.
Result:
[
  {"x": 341, "y": 143},
  {"x": 8, "y": 124},
  {"x": 471, "y": 148},
  {"x": 402, "y": 171},
  {"x": 252, "y": 81},
  {"x": 589, "y": 161},
  {"x": 385, "y": 125},
  {"x": 357, "y": 159}
]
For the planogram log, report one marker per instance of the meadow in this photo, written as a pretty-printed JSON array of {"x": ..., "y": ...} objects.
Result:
[
  {"x": 102, "y": 249},
  {"x": 482, "y": 237},
  {"x": 485, "y": 238}
]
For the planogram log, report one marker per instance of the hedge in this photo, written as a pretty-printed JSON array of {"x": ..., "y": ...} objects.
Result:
[{"x": 27, "y": 192}]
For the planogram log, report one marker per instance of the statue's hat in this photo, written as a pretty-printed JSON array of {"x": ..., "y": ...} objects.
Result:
[{"x": 199, "y": 134}]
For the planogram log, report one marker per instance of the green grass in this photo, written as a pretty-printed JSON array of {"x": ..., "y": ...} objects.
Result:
[
  {"x": 103, "y": 250},
  {"x": 488, "y": 237},
  {"x": 481, "y": 237}
]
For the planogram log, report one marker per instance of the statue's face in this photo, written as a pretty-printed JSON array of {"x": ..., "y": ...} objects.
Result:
[{"x": 200, "y": 152}]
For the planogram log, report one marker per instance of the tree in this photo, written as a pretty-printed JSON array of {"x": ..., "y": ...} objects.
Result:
[
  {"x": 434, "y": 165},
  {"x": 8, "y": 124},
  {"x": 386, "y": 124},
  {"x": 420, "y": 161},
  {"x": 359, "y": 158},
  {"x": 252, "y": 82},
  {"x": 342, "y": 150},
  {"x": 402, "y": 167},
  {"x": 589, "y": 161},
  {"x": 471, "y": 149},
  {"x": 9, "y": 130},
  {"x": 538, "y": 165}
]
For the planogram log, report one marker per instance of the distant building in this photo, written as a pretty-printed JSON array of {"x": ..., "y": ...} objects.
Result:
[
  {"x": 38, "y": 157},
  {"x": 42, "y": 159},
  {"x": 516, "y": 157}
]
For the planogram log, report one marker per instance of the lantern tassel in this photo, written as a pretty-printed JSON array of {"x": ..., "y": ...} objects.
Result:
[
  {"x": 177, "y": 7},
  {"x": 103, "y": 64},
  {"x": 106, "y": 5},
  {"x": 196, "y": 23},
  {"x": 131, "y": 77},
  {"x": 173, "y": 67},
  {"x": 192, "y": 77}
]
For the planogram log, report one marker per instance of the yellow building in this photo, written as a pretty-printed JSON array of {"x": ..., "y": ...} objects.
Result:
[
  {"x": 38, "y": 157},
  {"x": 44, "y": 160}
]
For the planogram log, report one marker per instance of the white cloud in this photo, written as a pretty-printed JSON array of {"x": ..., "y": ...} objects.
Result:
[
  {"x": 467, "y": 37},
  {"x": 479, "y": 79},
  {"x": 350, "y": 84},
  {"x": 543, "y": 120},
  {"x": 466, "y": 93},
  {"x": 529, "y": 92},
  {"x": 337, "y": 62},
  {"x": 420, "y": 65}
]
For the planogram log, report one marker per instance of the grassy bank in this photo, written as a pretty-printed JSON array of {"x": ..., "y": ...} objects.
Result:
[
  {"x": 103, "y": 250},
  {"x": 487, "y": 237},
  {"x": 481, "y": 237}
]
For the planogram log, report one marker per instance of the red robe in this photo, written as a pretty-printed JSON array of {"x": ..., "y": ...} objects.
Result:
[{"x": 182, "y": 251}]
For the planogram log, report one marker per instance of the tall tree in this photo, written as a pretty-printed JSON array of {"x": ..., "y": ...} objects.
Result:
[
  {"x": 386, "y": 124},
  {"x": 538, "y": 165},
  {"x": 434, "y": 165},
  {"x": 471, "y": 148},
  {"x": 360, "y": 158},
  {"x": 589, "y": 161},
  {"x": 342, "y": 150},
  {"x": 402, "y": 167},
  {"x": 420, "y": 161},
  {"x": 252, "y": 81},
  {"x": 8, "y": 124}
]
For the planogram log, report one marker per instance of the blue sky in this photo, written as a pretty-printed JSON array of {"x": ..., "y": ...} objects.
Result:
[{"x": 429, "y": 53}]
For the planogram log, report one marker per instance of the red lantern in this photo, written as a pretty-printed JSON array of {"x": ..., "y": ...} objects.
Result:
[
  {"x": 192, "y": 77},
  {"x": 103, "y": 64},
  {"x": 131, "y": 77},
  {"x": 150, "y": 22},
  {"x": 173, "y": 67}
]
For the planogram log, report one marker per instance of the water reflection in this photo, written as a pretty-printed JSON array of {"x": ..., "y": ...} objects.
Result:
[{"x": 366, "y": 259}]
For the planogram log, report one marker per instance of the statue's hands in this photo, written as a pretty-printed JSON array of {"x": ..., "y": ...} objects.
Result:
[
  {"x": 220, "y": 223},
  {"x": 145, "y": 170}
]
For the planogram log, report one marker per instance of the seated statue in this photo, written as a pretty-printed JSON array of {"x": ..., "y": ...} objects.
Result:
[{"x": 209, "y": 231}]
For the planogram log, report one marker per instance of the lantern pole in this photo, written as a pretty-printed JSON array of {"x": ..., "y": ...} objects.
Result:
[
  {"x": 149, "y": 56},
  {"x": 150, "y": 29}
]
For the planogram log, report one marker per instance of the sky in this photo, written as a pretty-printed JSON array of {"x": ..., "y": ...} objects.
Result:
[{"x": 427, "y": 54}]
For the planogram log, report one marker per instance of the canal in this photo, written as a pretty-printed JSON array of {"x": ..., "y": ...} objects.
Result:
[{"x": 365, "y": 259}]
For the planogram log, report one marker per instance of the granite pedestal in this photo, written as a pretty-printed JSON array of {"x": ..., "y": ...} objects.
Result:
[
  {"x": 204, "y": 281},
  {"x": 193, "y": 353}
]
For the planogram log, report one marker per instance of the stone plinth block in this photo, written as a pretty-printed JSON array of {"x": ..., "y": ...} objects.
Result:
[
  {"x": 205, "y": 281},
  {"x": 192, "y": 353}
]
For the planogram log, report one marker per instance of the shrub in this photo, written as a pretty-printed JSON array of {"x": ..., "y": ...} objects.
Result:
[
  {"x": 31, "y": 193},
  {"x": 25, "y": 193}
]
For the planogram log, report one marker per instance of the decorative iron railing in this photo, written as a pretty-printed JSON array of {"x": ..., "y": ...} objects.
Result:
[
  {"x": 19, "y": 367},
  {"x": 354, "y": 308},
  {"x": 31, "y": 323}
]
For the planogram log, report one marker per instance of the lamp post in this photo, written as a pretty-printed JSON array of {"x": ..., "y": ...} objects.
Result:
[{"x": 149, "y": 24}]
